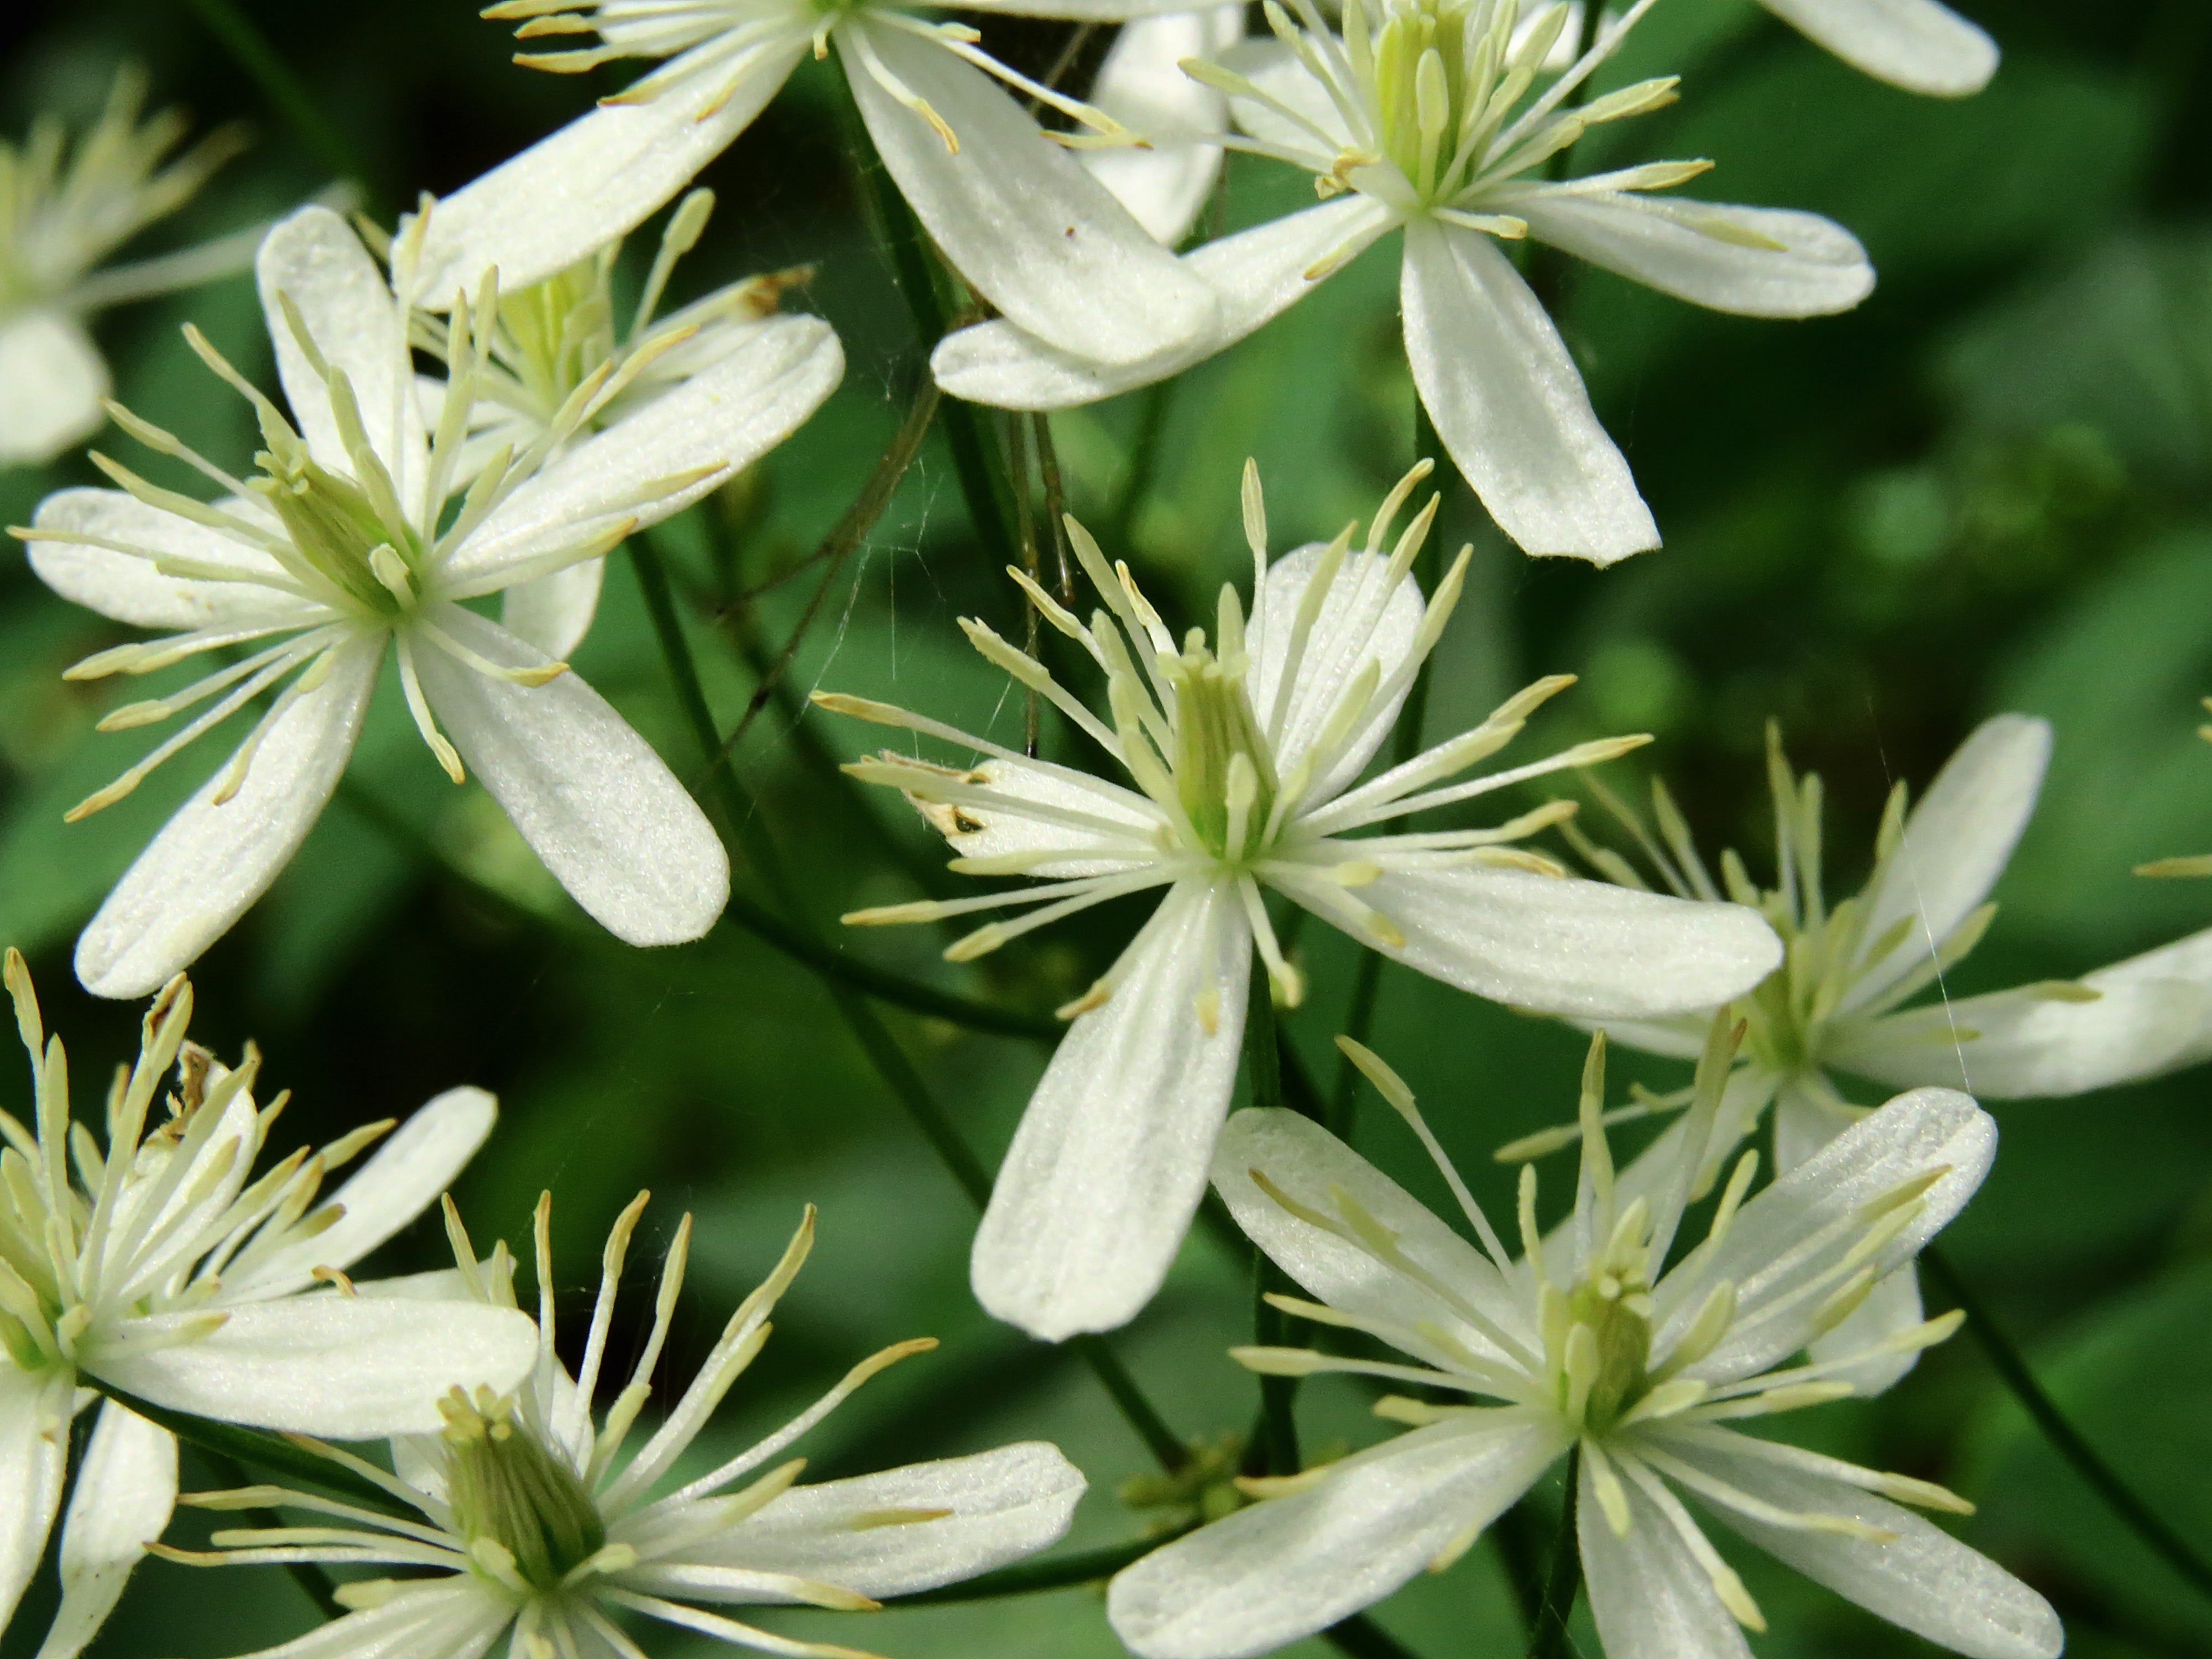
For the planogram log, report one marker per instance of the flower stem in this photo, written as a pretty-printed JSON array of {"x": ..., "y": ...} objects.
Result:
[
  {"x": 1564, "y": 1582},
  {"x": 243, "y": 39},
  {"x": 1276, "y": 1444},
  {"x": 2012, "y": 1369},
  {"x": 876, "y": 1042}
]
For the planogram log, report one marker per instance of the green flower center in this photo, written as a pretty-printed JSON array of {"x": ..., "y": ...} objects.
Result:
[
  {"x": 505, "y": 1486},
  {"x": 559, "y": 331},
  {"x": 364, "y": 548},
  {"x": 1228, "y": 802}
]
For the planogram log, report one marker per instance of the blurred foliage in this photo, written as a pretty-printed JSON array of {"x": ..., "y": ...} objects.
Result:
[{"x": 1990, "y": 487}]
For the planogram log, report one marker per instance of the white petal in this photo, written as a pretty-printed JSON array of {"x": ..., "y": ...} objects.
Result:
[
  {"x": 1001, "y": 834},
  {"x": 1914, "y": 44},
  {"x": 1016, "y": 214},
  {"x": 1569, "y": 946},
  {"x": 1257, "y": 274},
  {"x": 130, "y": 590},
  {"x": 1508, "y": 402},
  {"x": 1913, "y": 1135},
  {"x": 1648, "y": 1595},
  {"x": 1893, "y": 1305},
  {"x": 1357, "y": 623},
  {"x": 55, "y": 378},
  {"x": 1002, "y": 1505},
  {"x": 34, "y": 1431},
  {"x": 589, "y": 795},
  {"x": 125, "y": 1488},
  {"x": 210, "y": 862},
  {"x": 1088, "y": 11},
  {"x": 314, "y": 259},
  {"x": 1820, "y": 267},
  {"x": 1307, "y": 1161},
  {"x": 597, "y": 178},
  {"x": 2152, "y": 1014},
  {"x": 1289, "y": 1566},
  {"x": 554, "y": 612},
  {"x": 347, "y": 1367},
  {"x": 725, "y": 418},
  {"x": 1924, "y": 1579},
  {"x": 1956, "y": 842},
  {"x": 1142, "y": 86},
  {"x": 455, "y": 1618},
  {"x": 1110, "y": 1159},
  {"x": 415, "y": 1162}
]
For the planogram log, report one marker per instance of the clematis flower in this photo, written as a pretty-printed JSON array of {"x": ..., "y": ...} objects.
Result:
[
  {"x": 64, "y": 210},
  {"x": 533, "y": 1521},
  {"x": 1593, "y": 1347},
  {"x": 352, "y": 539},
  {"x": 1246, "y": 757},
  {"x": 1407, "y": 122},
  {"x": 1014, "y": 212},
  {"x": 546, "y": 341},
  {"x": 1847, "y": 998},
  {"x": 1140, "y": 84},
  {"x": 1916, "y": 44},
  {"x": 147, "y": 1262}
]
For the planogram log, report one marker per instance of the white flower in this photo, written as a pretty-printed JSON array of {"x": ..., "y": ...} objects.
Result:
[
  {"x": 1141, "y": 83},
  {"x": 1021, "y": 220},
  {"x": 1245, "y": 758},
  {"x": 1914, "y": 44},
  {"x": 59, "y": 219},
  {"x": 532, "y": 1518},
  {"x": 1410, "y": 125},
  {"x": 159, "y": 1271},
  {"x": 348, "y": 541},
  {"x": 1850, "y": 969},
  {"x": 1594, "y": 1345},
  {"x": 552, "y": 337}
]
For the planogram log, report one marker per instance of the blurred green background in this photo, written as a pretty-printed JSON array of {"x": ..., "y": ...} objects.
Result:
[{"x": 1990, "y": 488}]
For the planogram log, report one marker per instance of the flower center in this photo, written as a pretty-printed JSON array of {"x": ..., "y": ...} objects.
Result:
[
  {"x": 1426, "y": 89},
  {"x": 506, "y": 1487},
  {"x": 363, "y": 549},
  {"x": 1597, "y": 1335},
  {"x": 1224, "y": 776},
  {"x": 557, "y": 332}
]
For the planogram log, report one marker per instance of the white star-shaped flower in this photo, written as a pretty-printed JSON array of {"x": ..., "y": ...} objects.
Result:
[
  {"x": 534, "y": 1521},
  {"x": 65, "y": 209},
  {"x": 1590, "y": 1342},
  {"x": 1012, "y": 209},
  {"x": 1414, "y": 120},
  {"x": 353, "y": 538},
  {"x": 1848, "y": 997},
  {"x": 150, "y": 1264},
  {"x": 1246, "y": 756}
]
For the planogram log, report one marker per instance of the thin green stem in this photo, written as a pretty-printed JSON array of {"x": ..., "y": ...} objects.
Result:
[
  {"x": 314, "y": 1582},
  {"x": 1564, "y": 1582},
  {"x": 243, "y": 39},
  {"x": 255, "y": 1449},
  {"x": 1277, "y": 1441},
  {"x": 1363, "y": 1638},
  {"x": 2012, "y": 1369}
]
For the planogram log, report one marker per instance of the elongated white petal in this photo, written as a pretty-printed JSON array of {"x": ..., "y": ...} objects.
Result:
[
  {"x": 1310, "y": 1165},
  {"x": 997, "y": 1507},
  {"x": 554, "y": 612},
  {"x": 414, "y": 1164},
  {"x": 130, "y": 590},
  {"x": 453, "y": 1618},
  {"x": 315, "y": 260},
  {"x": 1110, "y": 1160},
  {"x": 1956, "y": 842},
  {"x": 1567, "y": 947},
  {"x": 1910, "y": 1140},
  {"x": 1649, "y": 1597},
  {"x": 1818, "y": 268},
  {"x": 589, "y": 795},
  {"x": 35, "y": 1432},
  {"x": 1141, "y": 85},
  {"x": 1030, "y": 229},
  {"x": 1508, "y": 402},
  {"x": 976, "y": 831},
  {"x": 55, "y": 378},
  {"x": 1257, "y": 274},
  {"x": 2152, "y": 1014},
  {"x": 1922, "y": 1579},
  {"x": 1914, "y": 44},
  {"x": 1355, "y": 625},
  {"x": 348, "y": 1368},
  {"x": 125, "y": 1488},
  {"x": 211, "y": 861},
  {"x": 725, "y": 418},
  {"x": 1084, "y": 11},
  {"x": 1289, "y": 1566},
  {"x": 598, "y": 177}
]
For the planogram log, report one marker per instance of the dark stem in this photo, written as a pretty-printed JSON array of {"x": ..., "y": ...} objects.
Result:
[
  {"x": 243, "y": 39},
  {"x": 310, "y": 1576},
  {"x": 1276, "y": 1446},
  {"x": 1521, "y": 1554},
  {"x": 2012, "y": 1369},
  {"x": 1055, "y": 503},
  {"x": 1084, "y": 1567},
  {"x": 1564, "y": 1582},
  {"x": 1363, "y": 1638}
]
